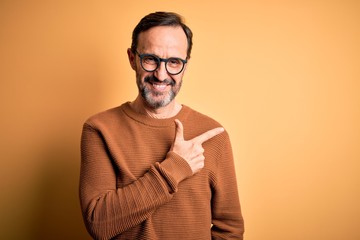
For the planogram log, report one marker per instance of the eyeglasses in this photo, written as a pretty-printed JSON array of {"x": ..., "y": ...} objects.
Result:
[{"x": 151, "y": 62}]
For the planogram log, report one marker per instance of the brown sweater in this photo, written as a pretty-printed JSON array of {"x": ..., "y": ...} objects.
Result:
[{"x": 132, "y": 187}]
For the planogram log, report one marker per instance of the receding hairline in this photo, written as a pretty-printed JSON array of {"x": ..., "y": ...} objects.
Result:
[
  {"x": 182, "y": 42},
  {"x": 156, "y": 19}
]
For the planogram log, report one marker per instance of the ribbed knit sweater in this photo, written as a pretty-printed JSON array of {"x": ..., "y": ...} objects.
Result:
[{"x": 133, "y": 187}]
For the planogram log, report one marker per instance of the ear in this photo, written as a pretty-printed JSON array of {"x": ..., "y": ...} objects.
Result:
[{"x": 131, "y": 57}]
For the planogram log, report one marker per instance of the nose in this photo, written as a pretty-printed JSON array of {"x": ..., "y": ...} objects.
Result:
[{"x": 161, "y": 73}]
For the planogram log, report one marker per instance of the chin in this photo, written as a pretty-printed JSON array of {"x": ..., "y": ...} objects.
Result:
[{"x": 156, "y": 102}]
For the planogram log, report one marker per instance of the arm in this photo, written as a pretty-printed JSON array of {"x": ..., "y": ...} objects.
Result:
[
  {"x": 227, "y": 218},
  {"x": 108, "y": 210}
]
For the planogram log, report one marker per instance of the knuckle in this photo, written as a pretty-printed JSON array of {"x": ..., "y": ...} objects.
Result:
[{"x": 202, "y": 165}]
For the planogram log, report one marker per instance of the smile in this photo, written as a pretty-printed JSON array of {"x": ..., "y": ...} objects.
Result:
[{"x": 159, "y": 87}]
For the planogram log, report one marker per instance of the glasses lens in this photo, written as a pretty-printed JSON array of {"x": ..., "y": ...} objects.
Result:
[
  {"x": 174, "y": 65},
  {"x": 149, "y": 62}
]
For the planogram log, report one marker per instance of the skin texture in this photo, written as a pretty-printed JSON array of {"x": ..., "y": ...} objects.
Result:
[{"x": 158, "y": 89}]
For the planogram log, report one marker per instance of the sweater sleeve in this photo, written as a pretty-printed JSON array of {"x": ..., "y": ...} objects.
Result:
[
  {"x": 107, "y": 210},
  {"x": 226, "y": 212}
]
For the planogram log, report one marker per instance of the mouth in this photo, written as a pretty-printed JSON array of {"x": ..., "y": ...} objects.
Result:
[{"x": 159, "y": 87}]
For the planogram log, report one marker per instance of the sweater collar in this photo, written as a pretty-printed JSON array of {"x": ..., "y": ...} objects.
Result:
[{"x": 155, "y": 122}]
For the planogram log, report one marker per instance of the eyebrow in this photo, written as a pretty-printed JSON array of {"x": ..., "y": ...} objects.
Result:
[{"x": 163, "y": 58}]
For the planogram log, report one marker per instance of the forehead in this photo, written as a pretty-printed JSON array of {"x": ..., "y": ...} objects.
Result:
[{"x": 163, "y": 41}]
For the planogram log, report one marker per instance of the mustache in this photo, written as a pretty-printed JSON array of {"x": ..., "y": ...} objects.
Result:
[{"x": 153, "y": 79}]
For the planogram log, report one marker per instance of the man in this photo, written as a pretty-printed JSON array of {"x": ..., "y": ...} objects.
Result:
[{"x": 153, "y": 168}]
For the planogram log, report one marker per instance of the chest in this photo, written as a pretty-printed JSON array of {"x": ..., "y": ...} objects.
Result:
[{"x": 135, "y": 148}]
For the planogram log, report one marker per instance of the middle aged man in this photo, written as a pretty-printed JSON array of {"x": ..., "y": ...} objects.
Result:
[{"x": 154, "y": 168}]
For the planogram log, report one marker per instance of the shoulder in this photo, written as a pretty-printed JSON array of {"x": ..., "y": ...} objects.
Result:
[
  {"x": 105, "y": 117},
  {"x": 197, "y": 123},
  {"x": 200, "y": 119}
]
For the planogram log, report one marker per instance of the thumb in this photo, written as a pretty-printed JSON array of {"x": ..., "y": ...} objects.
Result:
[{"x": 179, "y": 130}]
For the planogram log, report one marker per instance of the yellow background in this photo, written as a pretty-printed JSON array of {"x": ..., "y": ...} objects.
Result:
[{"x": 282, "y": 76}]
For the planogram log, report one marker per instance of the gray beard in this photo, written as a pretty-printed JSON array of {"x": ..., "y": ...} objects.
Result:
[
  {"x": 155, "y": 104},
  {"x": 148, "y": 95}
]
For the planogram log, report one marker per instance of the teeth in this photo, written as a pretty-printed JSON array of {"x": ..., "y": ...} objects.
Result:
[{"x": 160, "y": 86}]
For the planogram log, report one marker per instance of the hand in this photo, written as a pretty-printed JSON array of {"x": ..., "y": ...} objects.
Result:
[{"x": 192, "y": 150}]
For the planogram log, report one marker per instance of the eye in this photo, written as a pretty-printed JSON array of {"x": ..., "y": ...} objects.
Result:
[
  {"x": 150, "y": 59},
  {"x": 173, "y": 62}
]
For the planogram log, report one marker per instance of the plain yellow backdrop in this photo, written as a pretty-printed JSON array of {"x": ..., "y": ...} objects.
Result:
[{"x": 283, "y": 77}]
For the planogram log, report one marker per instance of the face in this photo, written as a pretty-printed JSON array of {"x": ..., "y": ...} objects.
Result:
[{"x": 159, "y": 88}]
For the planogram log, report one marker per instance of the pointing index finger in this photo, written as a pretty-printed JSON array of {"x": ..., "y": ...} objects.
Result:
[{"x": 209, "y": 134}]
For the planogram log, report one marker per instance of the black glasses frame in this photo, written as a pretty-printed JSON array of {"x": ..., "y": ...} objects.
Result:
[{"x": 158, "y": 61}]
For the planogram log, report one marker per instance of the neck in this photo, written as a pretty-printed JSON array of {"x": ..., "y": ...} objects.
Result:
[{"x": 170, "y": 110}]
